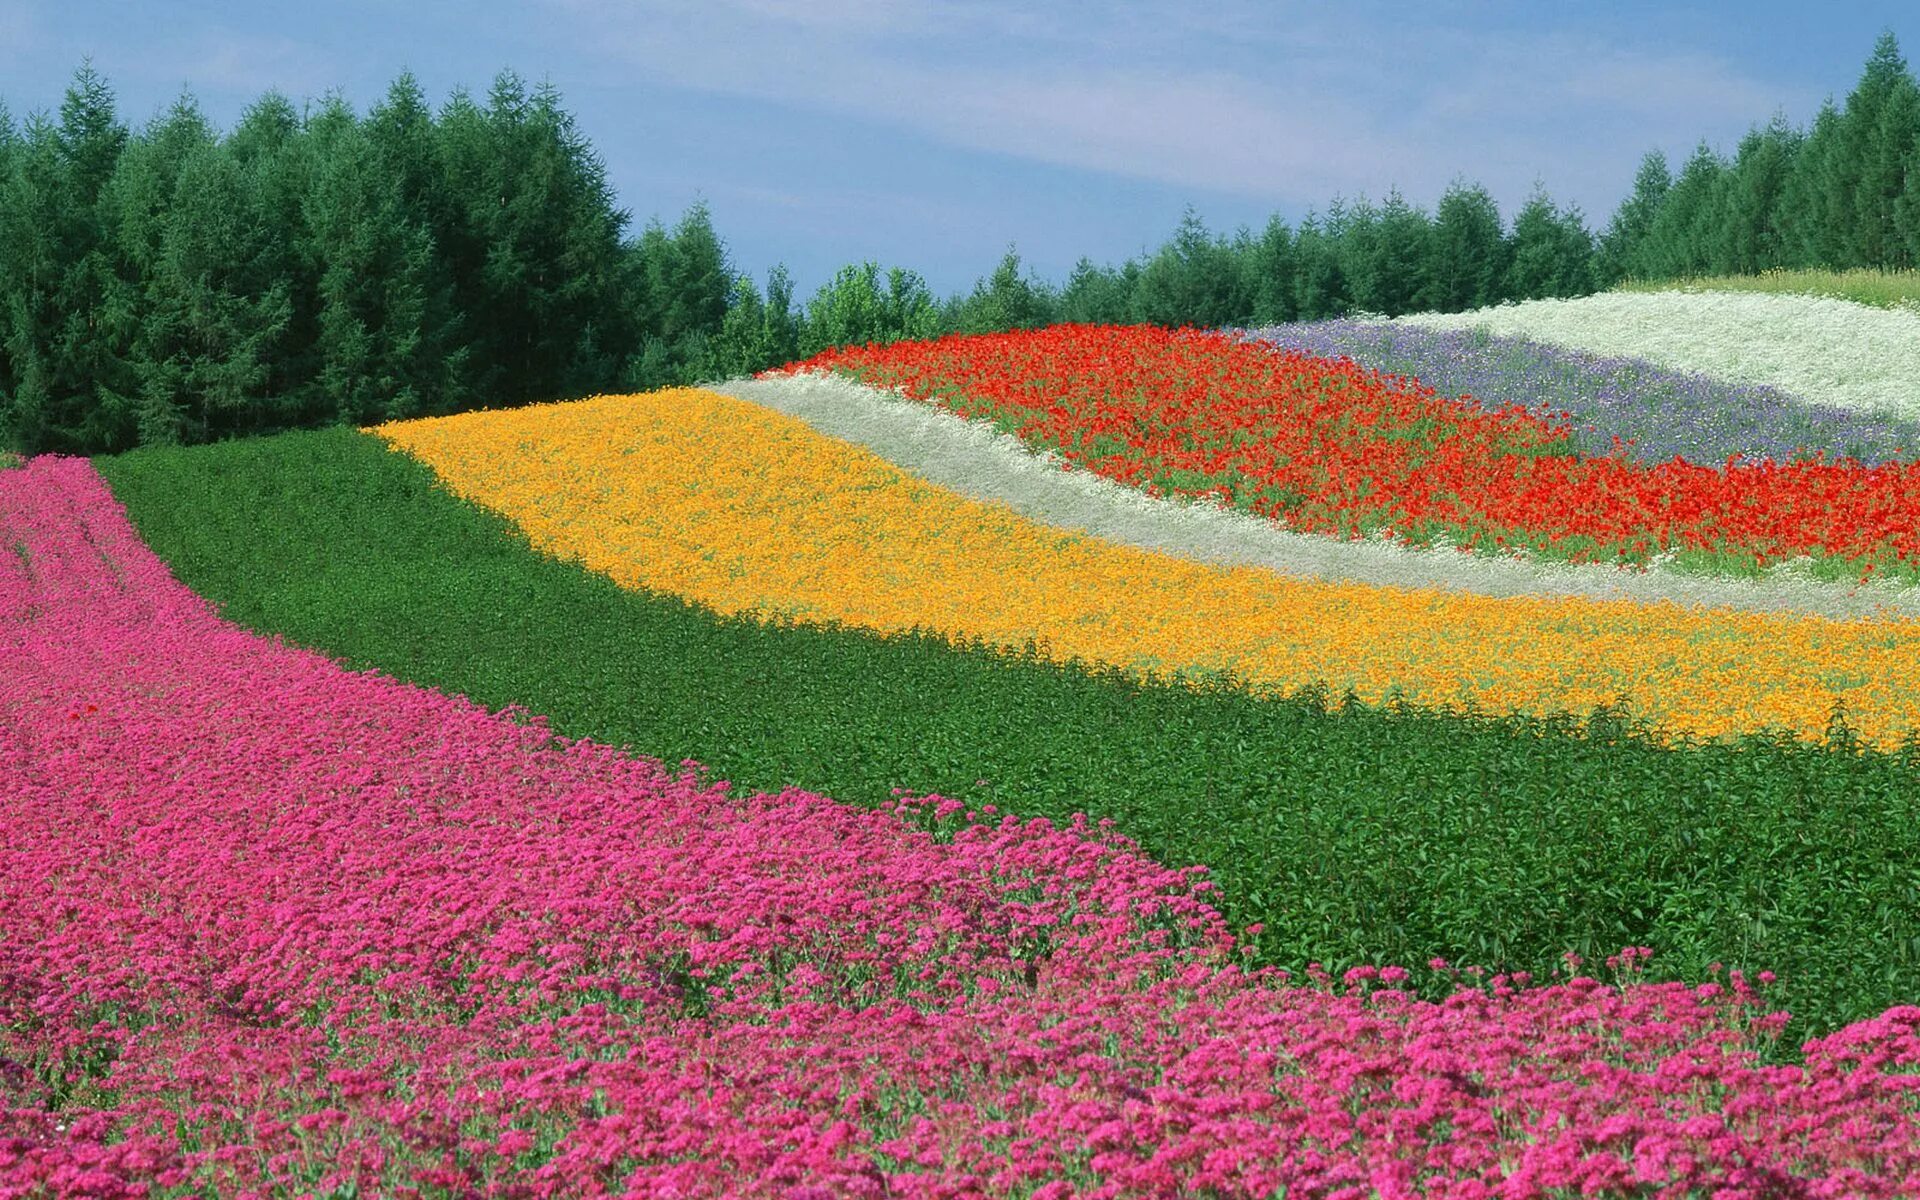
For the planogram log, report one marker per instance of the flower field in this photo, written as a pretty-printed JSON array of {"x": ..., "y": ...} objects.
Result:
[
  {"x": 1329, "y": 447},
  {"x": 1836, "y": 352},
  {"x": 1658, "y": 412},
  {"x": 1078, "y": 792},
  {"x": 976, "y": 460},
  {"x": 742, "y": 510}
]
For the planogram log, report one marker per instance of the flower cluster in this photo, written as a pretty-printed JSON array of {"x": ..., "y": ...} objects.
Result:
[
  {"x": 268, "y": 926},
  {"x": 1657, "y": 412},
  {"x": 1330, "y": 447},
  {"x": 746, "y": 510},
  {"x": 1825, "y": 350}
]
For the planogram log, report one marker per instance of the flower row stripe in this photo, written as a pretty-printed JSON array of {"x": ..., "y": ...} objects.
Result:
[
  {"x": 1821, "y": 348},
  {"x": 1327, "y": 446},
  {"x": 745, "y": 510},
  {"x": 270, "y": 927},
  {"x": 975, "y": 459}
]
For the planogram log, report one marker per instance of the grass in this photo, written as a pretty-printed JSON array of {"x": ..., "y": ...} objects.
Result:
[
  {"x": 1880, "y": 288},
  {"x": 1355, "y": 834}
]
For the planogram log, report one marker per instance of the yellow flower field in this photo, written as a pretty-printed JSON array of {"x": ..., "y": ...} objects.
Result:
[{"x": 745, "y": 510}]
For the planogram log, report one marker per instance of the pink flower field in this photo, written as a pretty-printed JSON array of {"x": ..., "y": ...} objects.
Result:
[{"x": 269, "y": 927}]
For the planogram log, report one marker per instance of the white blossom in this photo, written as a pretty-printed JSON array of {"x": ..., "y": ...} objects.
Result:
[
  {"x": 975, "y": 459},
  {"x": 1821, "y": 349}
]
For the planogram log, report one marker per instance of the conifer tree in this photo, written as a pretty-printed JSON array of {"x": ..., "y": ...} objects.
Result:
[
  {"x": 1809, "y": 209},
  {"x": 1096, "y": 295},
  {"x": 1193, "y": 280},
  {"x": 9, "y": 377},
  {"x": 90, "y": 313},
  {"x": 1551, "y": 251},
  {"x": 1271, "y": 265},
  {"x": 380, "y": 283},
  {"x": 223, "y": 303},
  {"x": 1623, "y": 249},
  {"x": 1679, "y": 241},
  {"x": 30, "y": 266},
  {"x": 1906, "y": 209},
  {"x": 1751, "y": 233},
  {"x": 1003, "y": 300},
  {"x": 275, "y": 155},
  {"x": 1387, "y": 255},
  {"x": 1466, "y": 265},
  {"x": 1320, "y": 285},
  {"x": 139, "y": 202},
  {"x": 1877, "y": 131},
  {"x": 405, "y": 169}
]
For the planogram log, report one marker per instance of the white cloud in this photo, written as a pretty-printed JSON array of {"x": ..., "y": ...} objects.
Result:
[{"x": 1291, "y": 109}]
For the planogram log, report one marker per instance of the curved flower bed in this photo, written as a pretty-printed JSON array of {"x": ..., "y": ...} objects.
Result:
[
  {"x": 1823, "y": 349},
  {"x": 1330, "y": 447},
  {"x": 271, "y": 927},
  {"x": 743, "y": 509},
  {"x": 1659, "y": 413}
]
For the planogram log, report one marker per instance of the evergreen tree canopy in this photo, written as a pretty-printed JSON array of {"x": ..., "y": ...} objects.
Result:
[
  {"x": 1552, "y": 252},
  {"x": 1467, "y": 254},
  {"x": 1192, "y": 280},
  {"x": 1839, "y": 196}
]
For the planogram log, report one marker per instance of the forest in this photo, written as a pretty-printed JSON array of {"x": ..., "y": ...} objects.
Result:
[{"x": 311, "y": 266}]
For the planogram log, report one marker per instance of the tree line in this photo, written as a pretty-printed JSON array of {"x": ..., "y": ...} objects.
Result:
[
  {"x": 173, "y": 284},
  {"x": 1841, "y": 195}
]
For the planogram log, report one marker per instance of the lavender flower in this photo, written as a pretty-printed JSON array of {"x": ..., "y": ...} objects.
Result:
[{"x": 1664, "y": 413}]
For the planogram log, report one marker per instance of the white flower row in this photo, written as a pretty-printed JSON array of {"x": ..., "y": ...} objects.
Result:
[
  {"x": 1821, "y": 349},
  {"x": 976, "y": 460}
]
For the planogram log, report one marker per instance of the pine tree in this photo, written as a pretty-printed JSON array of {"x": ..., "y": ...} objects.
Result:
[
  {"x": 1576, "y": 272},
  {"x": 1906, "y": 210},
  {"x": 1809, "y": 208},
  {"x": 1624, "y": 252},
  {"x": 678, "y": 286},
  {"x": 1320, "y": 286},
  {"x": 275, "y": 154},
  {"x": 382, "y": 287},
  {"x": 89, "y": 387},
  {"x": 782, "y": 323},
  {"x": 1889, "y": 146},
  {"x": 1095, "y": 295},
  {"x": 1552, "y": 251},
  {"x": 1003, "y": 300},
  {"x": 221, "y": 298},
  {"x": 9, "y": 376},
  {"x": 1193, "y": 280},
  {"x": 139, "y": 202},
  {"x": 1752, "y": 233},
  {"x": 1359, "y": 231},
  {"x": 553, "y": 277},
  {"x": 1466, "y": 262},
  {"x": 689, "y": 277},
  {"x": 1680, "y": 240},
  {"x": 740, "y": 346},
  {"x": 1271, "y": 266},
  {"x": 30, "y": 265},
  {"x": 400, "y": 136},
  {"x": 1404, "y": 256},
  {"x": 1877, "y": 131}
]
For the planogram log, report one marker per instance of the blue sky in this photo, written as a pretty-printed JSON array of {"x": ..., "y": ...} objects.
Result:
[{"x": 932, "y": 134}]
